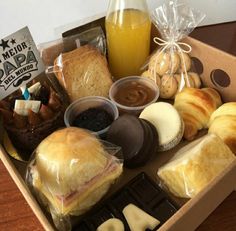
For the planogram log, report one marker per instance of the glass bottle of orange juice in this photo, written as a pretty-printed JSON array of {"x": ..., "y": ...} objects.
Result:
[{"x": 128, "y": 29}]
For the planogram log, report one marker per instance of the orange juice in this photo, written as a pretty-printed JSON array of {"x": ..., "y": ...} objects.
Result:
[{"x": 128, "y": 39}]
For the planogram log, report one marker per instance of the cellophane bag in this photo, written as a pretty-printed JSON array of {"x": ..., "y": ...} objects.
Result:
[
  {"x": 170, "y": 65},
  {"x": 93, "y": 36},
  {"x": 70, "y": 171},
  {"x": 78, "y": 65}
]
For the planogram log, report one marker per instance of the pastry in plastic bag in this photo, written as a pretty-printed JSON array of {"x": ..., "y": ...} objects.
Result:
[
  {"x": 195, "y": 165},
  {"x": 83, "y": 72},
  {"x": 71, "y": 171}
]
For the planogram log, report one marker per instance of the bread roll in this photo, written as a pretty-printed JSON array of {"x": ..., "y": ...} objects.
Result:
[
  {"x": 225, "y": 109},
  {"x": 83, "y": 72},
  {"x": 73, "y": 171},
  {"x": 195, "y": 165},
  {"x": 223, "y": 124},
  {"x": 196, "y": 106}
]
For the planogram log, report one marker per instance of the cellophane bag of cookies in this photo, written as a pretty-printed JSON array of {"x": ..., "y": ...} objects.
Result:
[
  {"x": 170, "y": 65},
  {"x": 79, "y": 65},
  {"x": 70, "y": 171}
]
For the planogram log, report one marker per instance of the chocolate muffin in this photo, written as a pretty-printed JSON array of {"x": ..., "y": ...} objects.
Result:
[{"x": 27, "y": 131}]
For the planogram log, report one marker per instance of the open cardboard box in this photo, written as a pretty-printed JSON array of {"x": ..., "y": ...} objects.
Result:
[{"x": 192, "y": 212}]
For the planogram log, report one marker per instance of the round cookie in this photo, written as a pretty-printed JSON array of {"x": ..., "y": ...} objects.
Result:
[
  {"x": 185, "y": 59},
  {"x": 154, "y": 136},
  {"x": 150, "y": 147},
  {"x": 164, "y": 62},
  {"x": 195, "y": 77},
  {"x": 168, "y": 123},
  {"x": 174, "y": 63},
  {"x": 159, "y": 62},
  {"x": 132, "y": 141},
  {"x": 168, "y": 86},
  {"x": 151, "y": 75},
  {"x": 178, "y": 79}
]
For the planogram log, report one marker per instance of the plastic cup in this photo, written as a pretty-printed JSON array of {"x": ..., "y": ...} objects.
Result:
[
  {"x": 135, "y": 110},
  {"x": 85, "y": 103}
]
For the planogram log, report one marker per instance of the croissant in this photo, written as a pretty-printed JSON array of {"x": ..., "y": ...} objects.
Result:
[
  {"x": 196, "y": 106},
  {"x": 223, "y": 124}
]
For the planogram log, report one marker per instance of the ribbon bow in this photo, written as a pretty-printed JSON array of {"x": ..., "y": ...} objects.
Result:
[{"x": 179, "y": 45}]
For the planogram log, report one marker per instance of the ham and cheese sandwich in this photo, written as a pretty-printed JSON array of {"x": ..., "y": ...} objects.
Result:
[{"x": 73, "y": 170}]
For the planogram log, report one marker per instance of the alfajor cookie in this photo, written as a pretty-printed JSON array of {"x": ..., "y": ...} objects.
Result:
[{"x": 138, "y": 144}]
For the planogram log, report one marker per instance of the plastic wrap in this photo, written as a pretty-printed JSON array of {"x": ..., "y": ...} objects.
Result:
[
  {"x": 195, "y": 165},
  {"x": 83, "y": 72},
  {"x": 78, "y": 64},
  {"x": 170, "y": 65},
  {"x": 70, "y": 171},
  {"x": 50, "y": 50}
]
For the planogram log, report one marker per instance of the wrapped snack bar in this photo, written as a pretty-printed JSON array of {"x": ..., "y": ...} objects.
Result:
[
  {"x": 77, "y": 64},
  {"x": 170, "y": 66},
  {"x": 83, "y": 72},
  {"x": 194, "y": 166},
  {"x": 71, "y": 171}
]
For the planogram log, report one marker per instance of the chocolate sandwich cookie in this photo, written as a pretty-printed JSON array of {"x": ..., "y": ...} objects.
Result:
[
  {"x": 150, "y": 145},
  {"x": 142, "y": 156},
  {"x": 152, "y": 138},
  {"x": 136, "y": 137},
  {"x": 128, "y": 133}
]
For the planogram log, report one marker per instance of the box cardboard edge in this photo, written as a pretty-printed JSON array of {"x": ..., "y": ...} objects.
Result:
[{"x": 197, "y": 209}]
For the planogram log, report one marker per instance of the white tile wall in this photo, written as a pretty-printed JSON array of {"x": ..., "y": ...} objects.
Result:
[{"x": 46, "y": 18}]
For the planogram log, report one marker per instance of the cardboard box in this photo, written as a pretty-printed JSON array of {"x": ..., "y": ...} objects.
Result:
[{"x": 194, "y": 211}]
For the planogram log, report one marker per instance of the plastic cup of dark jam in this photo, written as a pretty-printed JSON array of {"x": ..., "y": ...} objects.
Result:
[
  {"x": 89, "y": 103},
  {"x": 133, "y": 93}
]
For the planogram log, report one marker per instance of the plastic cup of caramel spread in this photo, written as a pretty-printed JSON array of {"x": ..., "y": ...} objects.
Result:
[
  {"x": 132, "y": 94},
  {"x": 94, "y": 113}
]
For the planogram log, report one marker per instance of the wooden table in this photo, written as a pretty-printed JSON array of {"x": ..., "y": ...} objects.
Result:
[{"x": 16, "y": 215}]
